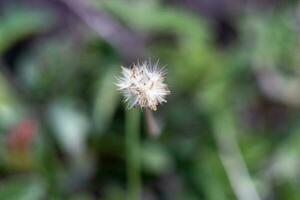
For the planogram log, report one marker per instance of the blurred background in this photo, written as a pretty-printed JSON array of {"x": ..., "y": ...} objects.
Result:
[{"x": 230, "y": 129}]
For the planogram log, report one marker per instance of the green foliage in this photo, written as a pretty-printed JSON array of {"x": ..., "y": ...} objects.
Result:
[
  {"x": 220, "y": 110},
  {"x": 19, "y": 23}
]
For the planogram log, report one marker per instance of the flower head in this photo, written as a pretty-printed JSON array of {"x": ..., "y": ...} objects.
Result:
[{"x": 143, "y": 85}]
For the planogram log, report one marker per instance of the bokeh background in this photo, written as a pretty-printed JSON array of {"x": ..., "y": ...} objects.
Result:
[{"x": 230, "y": 129}]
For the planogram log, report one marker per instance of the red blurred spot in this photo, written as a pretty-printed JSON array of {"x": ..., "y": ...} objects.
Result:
[{"x": 21, "y": 136}]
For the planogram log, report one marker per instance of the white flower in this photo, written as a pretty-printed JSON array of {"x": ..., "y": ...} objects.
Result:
[{"x": 143, "y": 85}]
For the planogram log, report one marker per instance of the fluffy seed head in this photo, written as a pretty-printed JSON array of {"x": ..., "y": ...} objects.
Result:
[{"x": 143, "y": 85}]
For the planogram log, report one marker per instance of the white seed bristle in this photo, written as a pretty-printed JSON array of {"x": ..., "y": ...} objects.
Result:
[{"x": 143, "y": 85}]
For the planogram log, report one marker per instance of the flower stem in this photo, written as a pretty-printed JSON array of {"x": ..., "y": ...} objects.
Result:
[
  {"x": 133, "y": 154},
  {"x": 153, "y": 127}
]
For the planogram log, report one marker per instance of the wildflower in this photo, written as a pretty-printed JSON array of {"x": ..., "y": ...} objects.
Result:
[{"x": 143, "y": 85}]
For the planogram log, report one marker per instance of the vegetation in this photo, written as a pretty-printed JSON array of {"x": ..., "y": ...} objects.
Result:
[{"x": 230, "y": 129}]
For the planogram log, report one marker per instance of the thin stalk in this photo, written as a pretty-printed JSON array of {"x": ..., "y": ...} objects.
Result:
[
  {"x": 153, "y": 127},
  {"x": 232, "y": 159},
  {"x": 133, "y": 154}
]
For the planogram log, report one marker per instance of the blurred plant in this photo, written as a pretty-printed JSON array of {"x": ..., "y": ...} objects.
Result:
[
  {"x": 19, "y": 23},
  {"x": 142, "y": 86},
  {"x": 229, "y": 132}
]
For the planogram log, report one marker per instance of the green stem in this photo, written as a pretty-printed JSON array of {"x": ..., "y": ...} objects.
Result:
[
  {"x": 225, "y": 132},
  {"x": 133, "y": 153}
]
